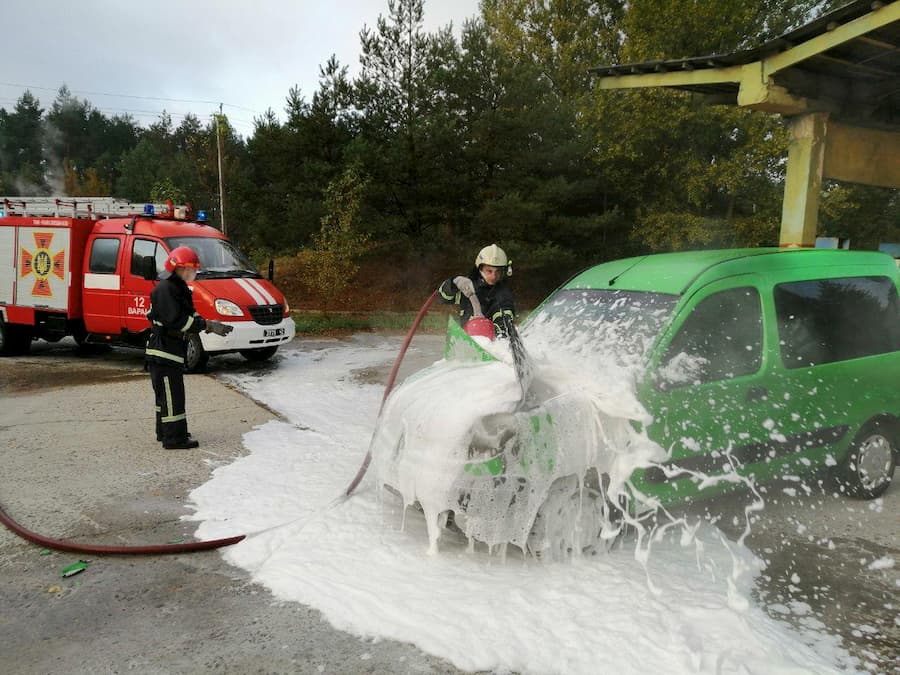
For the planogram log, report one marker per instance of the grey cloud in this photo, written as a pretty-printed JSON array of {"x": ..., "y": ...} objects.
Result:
[{"x": 246, "y": 52}]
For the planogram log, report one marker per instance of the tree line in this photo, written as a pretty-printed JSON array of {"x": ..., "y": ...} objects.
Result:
[{"x": 449, "y": 140}]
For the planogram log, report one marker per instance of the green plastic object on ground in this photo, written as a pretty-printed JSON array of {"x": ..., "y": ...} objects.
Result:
[{"x": 73, "y": 569}]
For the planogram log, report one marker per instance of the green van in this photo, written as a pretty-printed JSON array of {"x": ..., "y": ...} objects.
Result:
[{"x": 778, "y": 362}]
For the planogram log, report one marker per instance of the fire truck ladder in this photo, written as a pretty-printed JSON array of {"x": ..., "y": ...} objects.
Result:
[{"x": 84, "y": 207}]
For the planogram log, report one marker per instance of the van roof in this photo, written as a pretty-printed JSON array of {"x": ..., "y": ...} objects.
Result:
[
  {"x": 675, "y": 273},
  {"x": 157, "y": 227}
]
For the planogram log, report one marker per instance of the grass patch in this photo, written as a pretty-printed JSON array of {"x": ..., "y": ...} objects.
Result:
[{"x": 318, "y": 323}]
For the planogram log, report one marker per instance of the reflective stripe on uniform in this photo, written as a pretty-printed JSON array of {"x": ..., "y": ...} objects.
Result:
[
  {"x": 168, "y": 396},
  {"x": 174, "y": 418},
  {"x": 187, "y": 324},
  {"x": 446, "y": 297},
  {"x": 499, "y": 314},
  {"x": 164, "y": 355}
]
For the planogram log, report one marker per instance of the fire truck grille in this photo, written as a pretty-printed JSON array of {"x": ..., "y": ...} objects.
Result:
[{"x": 267, "y": 315}]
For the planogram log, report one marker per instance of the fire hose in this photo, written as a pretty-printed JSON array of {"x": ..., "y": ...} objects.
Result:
[
  {"x": 191, "y": 547},
  {"x": 392, "y": 378}
]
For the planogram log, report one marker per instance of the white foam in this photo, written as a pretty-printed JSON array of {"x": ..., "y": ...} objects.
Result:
[{"x": 373, "y": 578}]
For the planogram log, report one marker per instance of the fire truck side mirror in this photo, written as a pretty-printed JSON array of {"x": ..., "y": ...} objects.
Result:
[
  {"x": 148, "y": 268},
  {"x": 271, "y": 269}
]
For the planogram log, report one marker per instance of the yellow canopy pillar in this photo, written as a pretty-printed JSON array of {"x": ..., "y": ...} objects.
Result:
[
  {"x": 803, "y": 181},
  {"x": 834, "y": 81}
]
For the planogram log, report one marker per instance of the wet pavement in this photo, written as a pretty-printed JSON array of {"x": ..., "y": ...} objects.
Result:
[
  {"x": 79, "y": 461},
  {"x": 831, "y": 561}
]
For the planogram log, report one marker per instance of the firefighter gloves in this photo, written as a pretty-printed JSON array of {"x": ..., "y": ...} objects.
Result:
[
  {"x": 217, "y": 327},
  {"x": 465, "y": 286}
]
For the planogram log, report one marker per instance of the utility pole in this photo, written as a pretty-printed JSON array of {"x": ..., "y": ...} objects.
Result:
[{"x": 221, "y": 177}]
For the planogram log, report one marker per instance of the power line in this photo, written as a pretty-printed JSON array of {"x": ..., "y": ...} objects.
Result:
[{"x": 83, "y": 92}]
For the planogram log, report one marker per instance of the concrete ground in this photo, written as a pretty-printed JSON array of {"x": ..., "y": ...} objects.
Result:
[{"x": 80, "y": 461}]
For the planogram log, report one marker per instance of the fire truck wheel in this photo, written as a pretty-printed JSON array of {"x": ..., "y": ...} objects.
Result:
[
  {"x": 79, "y": 332},
  {"x": 263, "y": 354},
  {"x": 14, "y": 340},
  {"x": 195, "y": 357}
]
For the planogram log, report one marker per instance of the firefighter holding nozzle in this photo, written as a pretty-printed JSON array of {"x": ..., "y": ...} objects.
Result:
[
  {"x": 172, "y": 317},
  {"x": 484, "y": 291}
]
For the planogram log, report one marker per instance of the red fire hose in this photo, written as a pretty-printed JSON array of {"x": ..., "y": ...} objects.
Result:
[
  {"x": 100, "y": 549},
  {"x": 192, "y": 546},
  {"x": 392, "y": 378}
]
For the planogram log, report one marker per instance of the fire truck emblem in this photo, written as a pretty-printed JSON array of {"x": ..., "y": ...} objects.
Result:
[{"x": 41, "y": 263}]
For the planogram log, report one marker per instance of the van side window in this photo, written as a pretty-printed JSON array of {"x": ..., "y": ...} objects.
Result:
[
  {"x": 143, "y": 248},
  {"x": 104, "y": 254},
  {"x": 721, "y": 339},
  {"x": 828, "y": 320}
]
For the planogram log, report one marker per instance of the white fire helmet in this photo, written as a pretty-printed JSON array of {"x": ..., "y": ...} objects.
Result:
[{"x": 494, "y": 256}]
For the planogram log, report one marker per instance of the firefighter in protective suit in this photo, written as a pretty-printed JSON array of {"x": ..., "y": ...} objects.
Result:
[
  {"x": 172, "y": 317},
  {"x": 487, "y": 283}
]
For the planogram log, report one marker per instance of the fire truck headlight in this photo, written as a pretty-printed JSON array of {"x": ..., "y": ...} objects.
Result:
[
  {"x": 228, "y": 308},
  {"x": 287, "y": 308}
]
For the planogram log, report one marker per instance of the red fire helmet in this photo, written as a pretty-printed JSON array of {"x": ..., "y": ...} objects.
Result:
[{"x": 182, "y": 257}]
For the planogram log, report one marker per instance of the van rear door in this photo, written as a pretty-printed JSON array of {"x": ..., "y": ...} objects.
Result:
[{"x": 837, "y": 357}]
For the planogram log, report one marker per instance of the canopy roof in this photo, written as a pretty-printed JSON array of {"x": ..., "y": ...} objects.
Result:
[{"x": 846, "y": 63}]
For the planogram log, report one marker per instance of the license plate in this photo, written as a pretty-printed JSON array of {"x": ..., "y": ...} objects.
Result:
[{"x": 273, "y": 332}]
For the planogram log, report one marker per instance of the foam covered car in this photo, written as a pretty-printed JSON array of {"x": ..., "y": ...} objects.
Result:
[{"x": 666, "y": 378}]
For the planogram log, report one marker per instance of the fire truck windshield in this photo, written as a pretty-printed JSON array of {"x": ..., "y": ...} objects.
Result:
[{"x": 218, "y": 257}]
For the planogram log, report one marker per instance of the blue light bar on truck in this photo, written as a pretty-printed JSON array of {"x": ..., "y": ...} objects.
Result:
[
  {"x": 201, "y": 217},
  {"x": 148, "y": 209}
]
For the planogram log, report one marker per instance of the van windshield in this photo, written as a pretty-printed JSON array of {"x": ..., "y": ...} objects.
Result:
[
  {"x": 219, "y": 258},
  {"x": 624, "y": 322}
]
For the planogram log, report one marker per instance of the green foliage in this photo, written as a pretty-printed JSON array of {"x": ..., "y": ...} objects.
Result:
[
  {"x": 867, "y": 215},
  {"x": 318, "y": 323},
  {"x": 164, "y": 190},
  {"x": 446, "y": 141},
  {"x": 661, "y": 29},
  {"x": 21, "y": 152},
  {"x": 339, "y": 244}
]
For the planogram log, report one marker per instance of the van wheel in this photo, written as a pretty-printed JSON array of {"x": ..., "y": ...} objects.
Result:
[
  {"x": 263, "y": 354},
  {"x": 14, "y": 340},
  {"x": 868, "y": 468},
  {"x": 574, "y": 516},
  {"x": 195, "y": 357}
]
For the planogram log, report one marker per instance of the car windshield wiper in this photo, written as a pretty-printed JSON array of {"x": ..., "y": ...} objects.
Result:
[{"x": 228, "y": 274}]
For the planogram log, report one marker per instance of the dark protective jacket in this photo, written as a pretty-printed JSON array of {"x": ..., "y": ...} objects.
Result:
[
  {"x": 172, "y": 317},
  {"x": 497, "y": 303}
]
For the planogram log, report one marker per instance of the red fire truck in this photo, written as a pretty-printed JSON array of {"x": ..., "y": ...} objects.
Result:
[{"x": 85, "y": 267}]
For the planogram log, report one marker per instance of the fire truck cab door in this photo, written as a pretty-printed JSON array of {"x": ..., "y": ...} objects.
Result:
[
  {"x": 103, "y": 284},
  {"x": 136, "y": 290}
]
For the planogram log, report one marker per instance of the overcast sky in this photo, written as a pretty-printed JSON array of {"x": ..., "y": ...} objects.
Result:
[{"x": 245, "y": 53}]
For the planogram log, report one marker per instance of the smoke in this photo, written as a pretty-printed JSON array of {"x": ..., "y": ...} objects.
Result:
[
  {"x": 53, "y": 163},
  {"x": 50, "y": 178}
]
